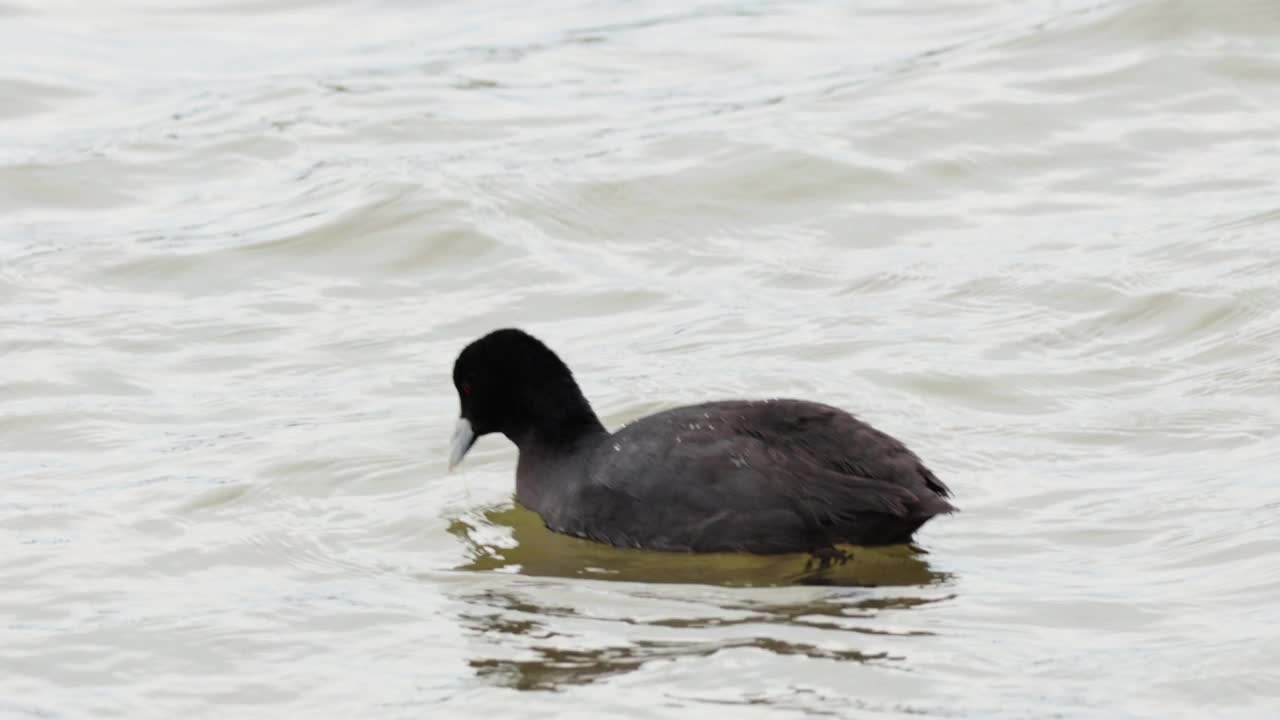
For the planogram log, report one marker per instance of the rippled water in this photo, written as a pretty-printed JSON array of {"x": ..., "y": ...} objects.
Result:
[{"x": 241, "y": 243}]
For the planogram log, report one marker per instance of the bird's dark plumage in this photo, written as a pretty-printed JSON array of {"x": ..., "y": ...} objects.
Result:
[{"x": 766, "y": 476}]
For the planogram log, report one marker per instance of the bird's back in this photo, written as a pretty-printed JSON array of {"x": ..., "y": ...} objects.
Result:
[{"x": 760, "y": 476}]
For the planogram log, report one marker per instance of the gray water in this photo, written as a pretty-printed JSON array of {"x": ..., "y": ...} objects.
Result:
[{"x": 241, "y": 244}]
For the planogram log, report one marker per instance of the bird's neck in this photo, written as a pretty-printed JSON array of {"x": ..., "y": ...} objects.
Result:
[
  {"x": 546, "y": 468},
  {"x": 555, "y": 423}
]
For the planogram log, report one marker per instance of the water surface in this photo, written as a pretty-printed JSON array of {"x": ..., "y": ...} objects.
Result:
[{"x": 241, "y": 244}]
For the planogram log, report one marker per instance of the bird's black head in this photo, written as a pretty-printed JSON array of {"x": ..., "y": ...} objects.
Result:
[{"x": 509, "y": 382}]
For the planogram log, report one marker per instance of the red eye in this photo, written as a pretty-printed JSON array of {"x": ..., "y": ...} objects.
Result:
[{"x": 466, "y": 389}]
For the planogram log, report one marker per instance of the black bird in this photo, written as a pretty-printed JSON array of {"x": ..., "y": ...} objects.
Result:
[{"x": 762, "y": 476}]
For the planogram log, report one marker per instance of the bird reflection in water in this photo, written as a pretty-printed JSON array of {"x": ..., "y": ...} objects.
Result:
[{"x": 532, "y": 649}]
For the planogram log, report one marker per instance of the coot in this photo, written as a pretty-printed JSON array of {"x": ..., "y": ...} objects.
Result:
[{"x": 762, "y": 476}]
